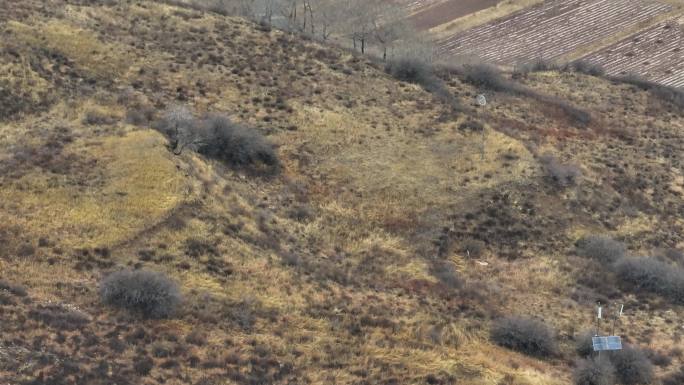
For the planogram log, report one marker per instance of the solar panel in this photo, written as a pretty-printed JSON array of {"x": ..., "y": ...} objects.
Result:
[{"x": 606, "y": 343}]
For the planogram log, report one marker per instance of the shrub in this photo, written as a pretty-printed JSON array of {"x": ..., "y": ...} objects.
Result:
[
  {"x": 601, "y": 248},
  {"x": 150, "y": 293},
  {"x": 180, "y": 126},
  {"x": 59, "y": 316},
  {"x": 411, "y": 70},
  {"x": 487, "y": 76},
  {"x": 650, "y": 274},
  {"x": 668, "y": 94},
  {"x": 584, "y": 345},
  {"x": 538, "y": 65},
  {"x": 588, "y": 68},
  {"x": 237, "y": 145},
  {"x": 563, "y": 174},
  {"x": 472, "y": 247},
  {"x": 143, "y": 365},
  {"x": 140, "y": 116},
  {"x": 471, "y": 125},
  {"x": 632, "y": 367},
  {"x": 98, "y": 117},
  {"x": 195, "y": 247},
  {"x": 676, "y": 378},
  {"x": 594, "y": 372},
  {"x": 577, "y": 115},
  {"x": 13, "y": 289},
  {"x": 219, "y": 138},
  {"x": 658, "y": 358},
  {"x": 417, "y": 71},
  {"x": 447, "y": 274},
  {"x": 525, "y": 335}
]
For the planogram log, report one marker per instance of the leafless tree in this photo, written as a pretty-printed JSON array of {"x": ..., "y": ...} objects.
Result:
[
  {"x": 391, "y": 27},
  {"x": 181, "y": 126}
]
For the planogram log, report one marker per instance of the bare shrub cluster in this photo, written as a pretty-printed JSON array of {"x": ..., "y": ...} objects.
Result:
[
  {"x": 665, "y": 93},
  {"x": 653, "y": 275},
  {"x": 543, "y": 65},
  {"x": 526, "y": 335},
  {"x": 419, "y": 71},
  {"x": 632, "y": 367},
  {"x": 489, "y": 77},
  {"x": 594, "y": 371},
  {"x": 149, "y": 293},
  {"x": 537, "y": 65},
  {"x": 216, "y": 136},
  {"x": 586, "y": 68},
  {"x": 562, "y": 174},
  {"x": 602, "y": 248}
]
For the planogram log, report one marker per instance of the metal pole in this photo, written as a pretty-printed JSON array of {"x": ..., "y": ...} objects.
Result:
[{"x": 598, "y": 319}]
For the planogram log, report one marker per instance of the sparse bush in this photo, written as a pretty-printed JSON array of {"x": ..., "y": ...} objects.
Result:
[
  {"x": 584, "y": 345},
  {"x": 675, "y": 255},
  {"x": 587, "y": 68},
  {"x": 447, "y": 274},
  {"x": 601, "y": 248},
  {"x": 13, "y": 289},
  {"x": 472, "y": 247},
  {"x": 411, "y": 70},
  {"x": 538, "y": 65},
  {"x": 668, "y": 94},
  {"x": 143, "y": 365},
  {"x": 658, "y": 358},
  {"x": 525, "y": 335},
  {"x": 196, "y": 338},
  {"x": 290, "y": 259},
  {"x": 471, "y": 125},
  {"x": 563, "y": 174},
  {"x": 676, "y": 378},
  {"x": 418, "y": 71},
  {"x": 140, "y": 116},
  {"x": 180, "y": 126},
  {"x": 594, "y": 372},
  {"x": 577, "y": 115},
  {"x": 59, "y": 316},
  {"x": 98, "y": 117},
  {"x": 151, "y": 293},
  {"x": 650, "y": 274},
  {"x": 238, "y": 145},
  {"x": 218, "y": 137},
  {"x": 632, "y": 367},
  {"x": 301, "y": 212},
  {"x": 195, "y": 247},
  {"x": 487, "y": 76}
]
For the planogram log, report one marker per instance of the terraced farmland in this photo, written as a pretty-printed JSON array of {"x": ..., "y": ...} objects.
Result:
[
  {"x": 549, "y": 30},
  {"x": 656, "y": 54}
]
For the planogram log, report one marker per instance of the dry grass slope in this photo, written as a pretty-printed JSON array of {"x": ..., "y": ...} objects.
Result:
[{"x": 349, "y": 266}]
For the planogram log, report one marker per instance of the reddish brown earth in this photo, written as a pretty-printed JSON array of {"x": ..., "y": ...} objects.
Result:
[{"x": 431, "y": 16}]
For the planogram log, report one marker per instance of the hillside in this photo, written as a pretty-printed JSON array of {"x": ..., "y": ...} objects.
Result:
[{"x": 381, "y": 252}]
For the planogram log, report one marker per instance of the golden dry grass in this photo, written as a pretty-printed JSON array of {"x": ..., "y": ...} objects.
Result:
[{"x": 139, "y": 187}]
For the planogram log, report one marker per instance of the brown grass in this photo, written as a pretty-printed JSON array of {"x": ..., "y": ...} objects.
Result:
[{"x": 347, "y": 294}]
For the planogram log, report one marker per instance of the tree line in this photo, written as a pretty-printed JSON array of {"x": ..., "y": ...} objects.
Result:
[{"x": 367, "y": 24}]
